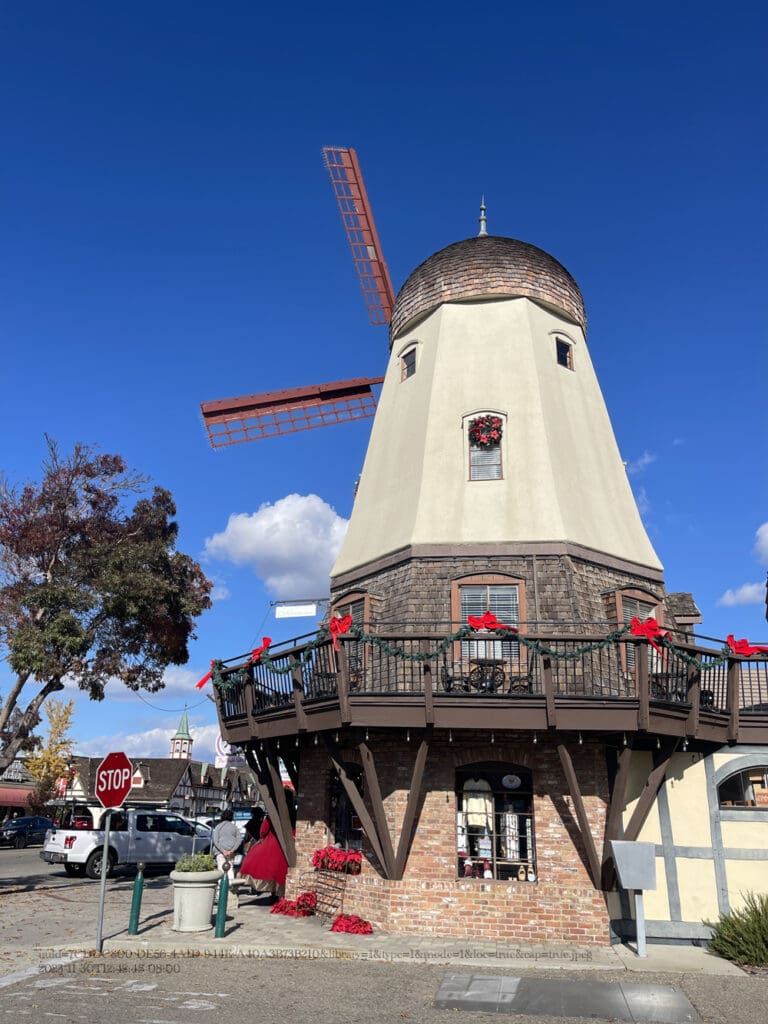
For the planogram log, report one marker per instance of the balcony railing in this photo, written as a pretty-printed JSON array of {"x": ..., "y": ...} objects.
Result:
[{"x": 411, "y": 660}]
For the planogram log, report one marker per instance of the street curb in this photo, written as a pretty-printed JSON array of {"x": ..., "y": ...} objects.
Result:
[{"x": 524, "y": 960}]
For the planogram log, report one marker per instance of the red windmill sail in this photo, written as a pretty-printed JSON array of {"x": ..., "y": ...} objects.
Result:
[{"x": 267, "y": 414}]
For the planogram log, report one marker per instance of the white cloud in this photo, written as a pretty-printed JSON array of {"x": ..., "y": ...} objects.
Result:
[
  {"x": 291, "y": 544},
  {"x": 761, "y": 543},
  {"x": 638, "y": 465},
  {"x": 747, "y": 593},
  {"x": 179, "y": 688},
  {"x": 220, "y": 590},
  {"x": 643, "y": 501},
  {"x": 151, "y": 743}
]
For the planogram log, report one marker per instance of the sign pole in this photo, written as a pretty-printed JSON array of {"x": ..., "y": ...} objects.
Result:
[
  {"x": 103, "y": 889},
  {"x": 113, "y": 784}
]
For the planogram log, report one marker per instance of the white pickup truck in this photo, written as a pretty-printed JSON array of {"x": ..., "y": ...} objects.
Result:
[{"x": 154, "y": 837}]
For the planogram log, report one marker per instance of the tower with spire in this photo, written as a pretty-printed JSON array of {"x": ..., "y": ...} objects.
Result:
[{"x": 181, "y": 741}]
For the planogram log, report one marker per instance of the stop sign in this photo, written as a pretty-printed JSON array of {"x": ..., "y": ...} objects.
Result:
[{"x": 113, "y": 780}]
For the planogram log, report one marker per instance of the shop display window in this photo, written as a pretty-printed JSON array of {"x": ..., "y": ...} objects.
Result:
[{"x": 495, "y": 835}]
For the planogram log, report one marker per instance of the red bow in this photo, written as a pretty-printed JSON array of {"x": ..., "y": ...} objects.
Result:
[
  {"x": 255, "y": 655},
  {"x": 487, "y": 621},
  {"x": 744, "y": 646},
  {"x": 339, "y": 625},
  {"x": 650, "y": 629},
  {"x": 204, "y": 680}
]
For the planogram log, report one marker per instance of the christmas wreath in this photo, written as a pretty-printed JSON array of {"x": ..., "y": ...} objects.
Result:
[{"x": 485, "y": 431}]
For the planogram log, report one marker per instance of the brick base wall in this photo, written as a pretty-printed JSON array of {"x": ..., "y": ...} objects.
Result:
[{"x": 560, "y": 906}]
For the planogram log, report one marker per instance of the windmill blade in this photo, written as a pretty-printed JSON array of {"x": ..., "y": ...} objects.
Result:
[
  {"x": 348, "y": 186},
  {"x": 251, "y": 417}
]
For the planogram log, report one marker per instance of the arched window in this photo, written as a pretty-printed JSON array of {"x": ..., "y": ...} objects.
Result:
[
  {"x": 487, "y": 661},
  {"x": 495, "y": 836},
  {"x": 408, "y": 363},
  {"x": 564, "y": 353},
  {"x": 633, "y": 603},
  {"x": 745, "y": 788},
  {"x": 484, "y": 432},
  {"x": 358, "y": 605}
]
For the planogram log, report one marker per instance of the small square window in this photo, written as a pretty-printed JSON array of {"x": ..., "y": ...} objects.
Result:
[
  {"x": 564, "y": 354},
  {"x": 408, "y": 364}
]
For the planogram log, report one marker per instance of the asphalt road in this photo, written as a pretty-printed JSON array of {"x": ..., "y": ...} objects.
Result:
[
  {"x": 139, "y": 988},
  {"x": 26, "y": 869},
  {"x": 166, "y": 990}
]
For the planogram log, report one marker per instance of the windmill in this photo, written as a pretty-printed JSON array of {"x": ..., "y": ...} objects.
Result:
[
  {"x": 488, "y": 330},
  {"x": 252, "y": 417}
]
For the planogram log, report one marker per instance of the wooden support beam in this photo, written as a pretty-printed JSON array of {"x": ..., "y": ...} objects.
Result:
[
  {"x": 377, "y": 804},
  {"x": 258, "y": 765},
  {"x": 549, "y": 691},
  {"x": 641, "y": 670},
  {"x": 661, "y": 759},
  {"x": 618, "y": 797},
  {"x": 270, "y": 767},
  {"x": 298, "y": 694},
  {"x": 414, "y": 794},
  {"x": 587, "y": 838},
  {"x": 613, "y": 818},
  {"x": 734, "y": 679},
  {"x": 356, "y": 799}
]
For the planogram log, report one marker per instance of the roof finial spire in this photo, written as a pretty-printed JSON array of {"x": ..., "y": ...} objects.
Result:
[{"x": 483, "y": 223}]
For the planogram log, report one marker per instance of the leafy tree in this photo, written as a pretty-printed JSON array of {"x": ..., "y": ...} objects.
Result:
[
  {"x": 49, "y": 762},
  {"x": 14, "y": 728},
  {"x": 90, "y": 589}
]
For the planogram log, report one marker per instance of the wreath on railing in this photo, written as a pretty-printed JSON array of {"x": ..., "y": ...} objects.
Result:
[{"x": 485, "y": 431}]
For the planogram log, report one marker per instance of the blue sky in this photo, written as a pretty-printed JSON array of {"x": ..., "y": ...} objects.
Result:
[{"x": 168, "y": 235}]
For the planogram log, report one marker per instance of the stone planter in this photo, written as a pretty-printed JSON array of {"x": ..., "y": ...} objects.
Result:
[{"x": 193, "y": 893}]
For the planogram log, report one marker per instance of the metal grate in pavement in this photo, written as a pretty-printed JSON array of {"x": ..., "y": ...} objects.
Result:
[{"x": 484, "y": 993}]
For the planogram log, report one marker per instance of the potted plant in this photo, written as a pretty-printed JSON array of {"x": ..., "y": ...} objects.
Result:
[{"x": 195, "y": 879}]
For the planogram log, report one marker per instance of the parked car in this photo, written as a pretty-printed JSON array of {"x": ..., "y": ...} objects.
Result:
[
  {"x": 203, "y": 836},
  {"x": 21, "y": 832},
  {"x": 152, "y": 837}
]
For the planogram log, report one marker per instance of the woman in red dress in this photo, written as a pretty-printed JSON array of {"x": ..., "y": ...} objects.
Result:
[{"x": 265, "y": 862}]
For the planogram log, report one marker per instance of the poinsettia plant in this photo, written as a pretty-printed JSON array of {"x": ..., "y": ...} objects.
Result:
[
  {"x": 303, "y": 906},
  {"x": 331, "y": 858},
  {"x": 485, "y": 431},
  {"x": 352, "y": 924}
]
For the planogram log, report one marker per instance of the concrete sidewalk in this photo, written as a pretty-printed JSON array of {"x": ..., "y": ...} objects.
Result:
[{"x": 43, "y": 923}]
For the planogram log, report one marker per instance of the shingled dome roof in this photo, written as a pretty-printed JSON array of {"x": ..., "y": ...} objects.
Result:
[{"x": 487, "y": 266}]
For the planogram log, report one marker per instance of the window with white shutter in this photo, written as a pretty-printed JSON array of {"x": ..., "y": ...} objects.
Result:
[
  {"x": 504, "y": 602},
  {"x": 485, "y": 463}
]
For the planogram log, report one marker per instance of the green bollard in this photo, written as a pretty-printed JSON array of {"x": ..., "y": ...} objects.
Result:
[
  {"x": 221, "y": 909},
  {"x": 138, "y": 888}
]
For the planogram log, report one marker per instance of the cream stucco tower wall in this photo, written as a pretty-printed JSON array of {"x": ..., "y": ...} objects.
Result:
[{"x": 484, "y": 316}]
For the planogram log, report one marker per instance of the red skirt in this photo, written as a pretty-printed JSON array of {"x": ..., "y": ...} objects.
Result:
[{"x": 265, "y": 861}]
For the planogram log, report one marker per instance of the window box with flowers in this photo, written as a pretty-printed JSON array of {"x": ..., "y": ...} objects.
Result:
[{"x": 331, "y": 858}]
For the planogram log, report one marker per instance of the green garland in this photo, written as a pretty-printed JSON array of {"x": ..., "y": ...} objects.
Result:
[{"x": 238, "y": 676}]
